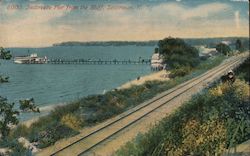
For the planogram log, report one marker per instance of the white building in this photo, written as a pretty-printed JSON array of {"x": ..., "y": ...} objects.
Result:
[
  {"x": 226, "y": 42},
  {"x": 157, "y": 62},
  {"x": 206, "y": 52}
]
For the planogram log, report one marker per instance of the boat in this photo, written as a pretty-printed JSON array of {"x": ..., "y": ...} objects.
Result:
[{"x": 30, "y": 59}]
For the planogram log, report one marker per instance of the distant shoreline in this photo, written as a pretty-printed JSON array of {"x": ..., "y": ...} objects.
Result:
[
  {"x": 107, "y": 43},
  {"x": 191, "y": 41}
]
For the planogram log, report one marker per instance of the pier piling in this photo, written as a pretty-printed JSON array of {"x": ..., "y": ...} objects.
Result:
[{"x": 98, "y": 62}]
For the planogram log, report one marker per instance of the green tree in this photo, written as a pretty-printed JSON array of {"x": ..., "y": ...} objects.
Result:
[
  {"x": 5, "y": 54},
  {"x": 238, "y": 45},
  {"x": 156, "y": 50},
  {"x": 8, "y": 115},
  {"x": 223, "y": 48},
  {"x": 177, "y": 53},
  {"x": 28, "y": 105}
]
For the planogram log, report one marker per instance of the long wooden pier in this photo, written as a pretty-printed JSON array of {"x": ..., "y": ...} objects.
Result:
[{"x": 98, "y": 62}]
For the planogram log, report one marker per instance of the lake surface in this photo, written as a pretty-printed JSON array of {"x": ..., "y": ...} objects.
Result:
[{"x": 51, "y": 84}]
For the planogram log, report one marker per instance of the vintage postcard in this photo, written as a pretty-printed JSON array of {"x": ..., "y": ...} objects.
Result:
[{"x": 124, "y": 77}]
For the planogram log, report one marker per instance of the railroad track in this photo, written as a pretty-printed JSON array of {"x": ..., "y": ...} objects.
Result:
[{"x": 100, "y": 135}]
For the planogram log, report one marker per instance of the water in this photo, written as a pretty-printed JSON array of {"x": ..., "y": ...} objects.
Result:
[{"x": 51, "y": 84}]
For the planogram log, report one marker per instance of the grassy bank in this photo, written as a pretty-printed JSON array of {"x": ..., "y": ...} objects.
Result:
[
  {"x": 209, "y": 124},
  {"x": 66, "y": 121},
  {"x": 243, "y": 71}
]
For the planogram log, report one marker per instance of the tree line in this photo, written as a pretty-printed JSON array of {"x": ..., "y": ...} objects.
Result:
[{"x": 181, "y": 58}]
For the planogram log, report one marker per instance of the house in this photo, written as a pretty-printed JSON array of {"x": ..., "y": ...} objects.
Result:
[
  {"x": 205, "y": 52},
  {"x": 157, "y": 62}
]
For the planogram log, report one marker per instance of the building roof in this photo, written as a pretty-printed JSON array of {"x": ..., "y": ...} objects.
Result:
[{"x": 156, "y": 56}]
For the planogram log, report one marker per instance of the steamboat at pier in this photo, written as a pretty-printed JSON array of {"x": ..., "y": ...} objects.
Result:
[{"x": 30, "y": 59}]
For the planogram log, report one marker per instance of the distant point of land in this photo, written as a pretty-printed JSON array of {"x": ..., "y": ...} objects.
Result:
[{"x": 211, "y": 42}]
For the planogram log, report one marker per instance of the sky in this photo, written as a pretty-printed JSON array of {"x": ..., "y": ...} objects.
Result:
[{"x": 41, "y": 23}]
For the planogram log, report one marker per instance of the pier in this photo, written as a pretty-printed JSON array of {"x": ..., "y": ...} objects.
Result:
[{"x": 98, "y": 62}]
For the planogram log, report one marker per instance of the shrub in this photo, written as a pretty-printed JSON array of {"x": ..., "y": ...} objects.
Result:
[
  {"x": 202, "y": 138},
  {"x": 72, "y": 121},
  {"x": 180, "y": 72},
  {"x": 60, "y": 111},
  {"x": 20, "y": 130},
  {"x": 54, "y": 133},
  {"x": 15, "y": 147},
  {"x": 243, "y": 71},
  {"x": 208, "y": 124}
]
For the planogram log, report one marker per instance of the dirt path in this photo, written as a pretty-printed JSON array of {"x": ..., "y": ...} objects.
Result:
[{"x": 160, "y": 76}]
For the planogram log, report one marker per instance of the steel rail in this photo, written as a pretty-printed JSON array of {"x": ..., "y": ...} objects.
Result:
[
  {"x": 134, "y": 121},
  {"x": 145, "y": 105}
]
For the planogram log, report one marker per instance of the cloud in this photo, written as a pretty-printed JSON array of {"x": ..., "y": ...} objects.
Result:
[
  {"x": 35, "y": 17},
  {"x": 159, "y": 21},
  {"x": 164, "y": 17},
  {"x": 43, "y": 28},
  {"x": 32, "y": 29},
  {"x": 170, "y": 13},
  {"x": 205, "y": 10},
  {"x": 240, "y": 1},
  {"x": 237, "y": 19}
]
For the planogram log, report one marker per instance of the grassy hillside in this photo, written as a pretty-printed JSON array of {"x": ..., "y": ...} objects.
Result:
[
  {"x": 243, "y": 72},
  {"x": 209, "y": 124}
]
